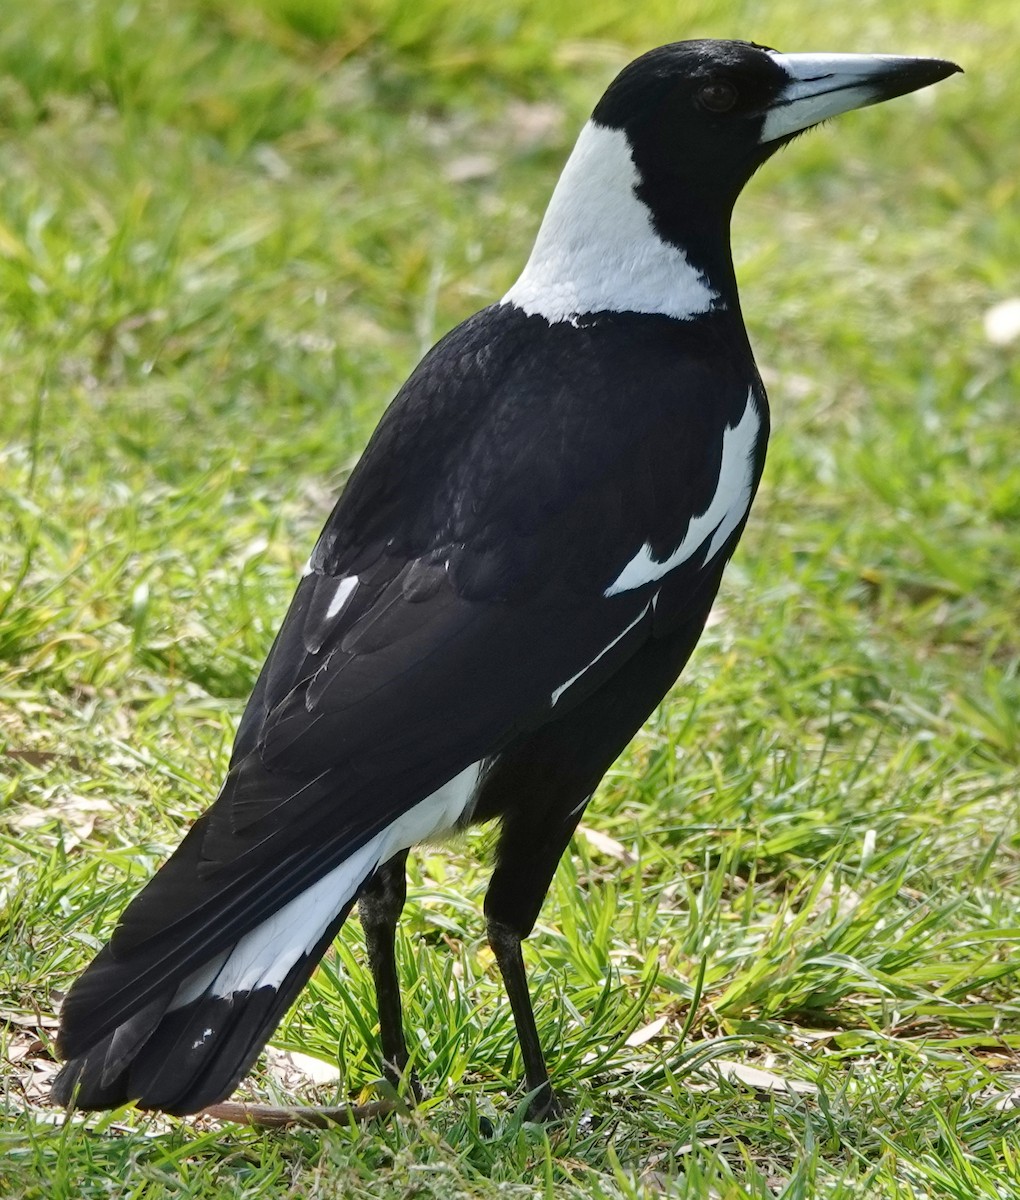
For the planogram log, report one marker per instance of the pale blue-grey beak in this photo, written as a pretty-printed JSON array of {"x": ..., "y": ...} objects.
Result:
[{"x": 824, "y": 85}]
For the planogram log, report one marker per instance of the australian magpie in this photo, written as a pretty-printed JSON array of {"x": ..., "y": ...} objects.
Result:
[{"x": 515, "y": 574}]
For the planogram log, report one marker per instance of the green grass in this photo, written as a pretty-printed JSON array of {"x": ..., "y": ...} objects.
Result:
[{"x": 227, "y": 231}]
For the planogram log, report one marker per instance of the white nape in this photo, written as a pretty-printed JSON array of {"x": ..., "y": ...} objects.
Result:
[
  {"x": 597, "y": 250},
  {"x": 601, "y": 654},
  {"x": 344, "y": 591},
  {"x": 265, "y": 955},
  {"x": 725, "y": 511}
]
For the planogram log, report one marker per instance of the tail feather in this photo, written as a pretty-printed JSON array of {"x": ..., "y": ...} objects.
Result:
[
  {"x": 187, "y": 1044},
  {"x": 180, "y": 1058},
  {"x": 137, "y": 968},
  {"x": 172, "y": 1013}
]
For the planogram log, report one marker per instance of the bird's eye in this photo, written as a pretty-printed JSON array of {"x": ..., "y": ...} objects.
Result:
[{"x": 718, "y": 97}]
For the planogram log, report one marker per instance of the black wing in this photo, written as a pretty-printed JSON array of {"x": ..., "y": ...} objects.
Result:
[{"x": 458, "y": 586}]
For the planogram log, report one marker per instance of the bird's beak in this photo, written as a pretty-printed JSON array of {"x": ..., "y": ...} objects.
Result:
[{"x": 824, "y": 85}]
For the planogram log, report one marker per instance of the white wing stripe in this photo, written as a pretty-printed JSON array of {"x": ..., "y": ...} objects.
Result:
[
  {"x": 619, "y": 637},
  {"x": 726, "y": 510}
]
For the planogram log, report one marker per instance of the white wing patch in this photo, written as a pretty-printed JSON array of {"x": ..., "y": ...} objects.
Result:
[
  {"x": 619, "y": 638},
  {"x": 726, "y": 510},
  {"x": 265, "y": 955},
  {"x": 344, "y": 591},
  {"x": 597, "y": 250}
]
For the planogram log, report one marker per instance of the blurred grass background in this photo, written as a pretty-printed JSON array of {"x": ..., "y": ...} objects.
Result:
[{"x": 227, "y": 232}]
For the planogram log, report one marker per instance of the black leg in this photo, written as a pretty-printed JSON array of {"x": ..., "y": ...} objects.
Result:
[
  {"x": 506, "y": 945},
  {"x": 379, "y": 907},
  {"x": 536, "y": 787},
  {"x": 527, "y": 861}
]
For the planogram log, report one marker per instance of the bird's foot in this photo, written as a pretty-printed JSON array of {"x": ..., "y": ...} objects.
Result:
[
  {"x": 545, "y": 1106},
  {"x": 406, "y": 1082}
]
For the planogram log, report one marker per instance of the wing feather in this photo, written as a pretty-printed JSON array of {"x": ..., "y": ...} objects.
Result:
[{"x": 458, "y": 584}]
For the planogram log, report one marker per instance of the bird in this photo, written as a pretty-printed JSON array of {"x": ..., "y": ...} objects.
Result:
[{"x": 514, "y": 576}]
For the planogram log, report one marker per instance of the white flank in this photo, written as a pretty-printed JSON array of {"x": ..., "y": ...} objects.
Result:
[
  {"x": 726, "y": 510},
  {"x": 263, "y": 957},
  {"x": 597, "y": 250},
  {"x": 601, "y": 654},
  {"x": 344, "y": 591}
]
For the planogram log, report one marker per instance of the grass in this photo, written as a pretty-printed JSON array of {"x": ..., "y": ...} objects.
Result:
[{"x": 227, "y": 231}]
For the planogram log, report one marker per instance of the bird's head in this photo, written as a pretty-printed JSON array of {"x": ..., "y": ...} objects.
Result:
[
  {"x": 706, "y": 114},
  {"x": 640, "y": 217}
]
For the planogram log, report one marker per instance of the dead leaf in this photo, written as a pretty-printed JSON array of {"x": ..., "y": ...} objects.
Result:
[
  {"x": 647, "y": 1032},
  {"x": 606, "y": 845},
  {"x": 29, "y": 1020},
  {"x": 764, "y": 1081},
  {"x": 23, "y": 1047},
  {"x": 687, "y": 1147},
  {"x": 847, "y": 900},
  {"x": 42, "y": 758},
  {"x": 32, "y": 1069},
  {"x": 1008, "y": 1100},
  {"x": 468, "y": 167},
  {"x": 295, "y": 1071},
  {"x": 655, "y": 1181},
  {"x": 76, "y": 814}
]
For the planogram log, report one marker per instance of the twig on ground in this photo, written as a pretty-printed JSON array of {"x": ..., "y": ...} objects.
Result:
[{"x": 268, "y": 1116}]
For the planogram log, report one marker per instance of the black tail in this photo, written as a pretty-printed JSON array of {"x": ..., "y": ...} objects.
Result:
[{"x": 183, "y": 1058}]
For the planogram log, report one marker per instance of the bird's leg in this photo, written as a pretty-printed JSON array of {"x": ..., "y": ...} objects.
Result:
[
  {"x": 527, "y": 856},
  {"x": 506, "y": 945},
  {"x": 379, "y": 907}
]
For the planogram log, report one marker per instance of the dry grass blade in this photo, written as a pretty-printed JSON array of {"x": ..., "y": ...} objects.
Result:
[{"x": 267, "y": 1116}]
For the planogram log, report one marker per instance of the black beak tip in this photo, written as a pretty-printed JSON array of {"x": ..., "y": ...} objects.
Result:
[
  {"x": 913, "y": 74},
  {"x": 944, "y": 68}
]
